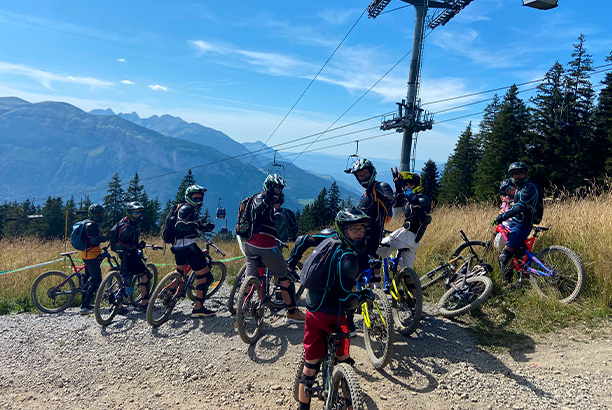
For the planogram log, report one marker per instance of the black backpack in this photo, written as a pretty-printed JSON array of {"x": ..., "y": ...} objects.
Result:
[
  {"x": 114, "y": 235},
  {"x": 244, "y": 225},
  {"x": 168, "y": 229},
  {"x": 538, "y": 211},
  {"x": 315, "y": 271}
]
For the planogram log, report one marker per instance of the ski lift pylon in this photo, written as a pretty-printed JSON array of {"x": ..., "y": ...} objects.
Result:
[
  {"x": 351, "y": 159},
  {"x": 220, "y": 211}
]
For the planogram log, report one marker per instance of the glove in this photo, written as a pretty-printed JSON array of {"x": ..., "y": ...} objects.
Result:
[
  {"x": 141, "y": 245},
  {"x": 497, "y": 220},
  {"x": 408, "y": 193},
  {"x": 366, "y": 294}
]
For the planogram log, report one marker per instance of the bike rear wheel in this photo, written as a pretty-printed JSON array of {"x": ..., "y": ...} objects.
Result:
[
  {"x": 218, "y": 271},
  {"x": 567, "y": 278},
  {"x": 249, "y": 310},
  {"x": 407, "y": 301},
  {"x": 48, "y": 296},
  {"x": 108, "y": 298},
  {"x": 345, "y": 389},
  {"x": 134, "y": 289},
  {"x": 378, "y": 333},
  {"x": 164, "y": 299},
  {"x": 463, "y": 298}
]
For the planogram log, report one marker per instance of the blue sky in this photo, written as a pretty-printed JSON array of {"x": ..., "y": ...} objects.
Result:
[{"x": 239, "y": 66}]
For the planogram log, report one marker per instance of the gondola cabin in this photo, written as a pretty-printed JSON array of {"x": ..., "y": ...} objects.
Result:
[
  {"x": 220, "y": 213},
  {"x": 541, "y": 4}
]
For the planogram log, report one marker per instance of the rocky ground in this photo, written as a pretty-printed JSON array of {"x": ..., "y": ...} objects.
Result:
[{"x": 68, "y": 361}]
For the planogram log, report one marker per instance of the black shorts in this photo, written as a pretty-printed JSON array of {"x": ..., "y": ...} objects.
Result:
[
  {"x": 133, "y": 263},
  {"x": 190, "y": 255}
]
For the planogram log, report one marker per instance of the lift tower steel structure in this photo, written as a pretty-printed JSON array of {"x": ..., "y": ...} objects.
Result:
[{"x": 411, "y": 118}]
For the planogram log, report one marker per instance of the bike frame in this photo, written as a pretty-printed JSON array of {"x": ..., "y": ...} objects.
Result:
[{"x": 522, "y": 265}]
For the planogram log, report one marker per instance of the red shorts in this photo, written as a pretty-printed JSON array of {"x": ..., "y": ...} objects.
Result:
[{"x": 316, "y": 329}]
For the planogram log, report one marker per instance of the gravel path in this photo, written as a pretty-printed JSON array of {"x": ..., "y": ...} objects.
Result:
[{"x": 67, "y": 361}]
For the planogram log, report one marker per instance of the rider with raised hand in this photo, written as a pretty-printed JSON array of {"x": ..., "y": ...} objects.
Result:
[
  {"x": 326, "y": 308},
  {"x": 91, "y": 255},
  {"x": 186, "y": 250},
  {"x": 521, "y": 215},
  {"x": 417, "y": 209},
  {"x": 128, "y": 244},
  {"x": 263, "y": 244}
]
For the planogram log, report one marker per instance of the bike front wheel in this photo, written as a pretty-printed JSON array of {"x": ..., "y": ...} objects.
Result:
[
  {"x": 298, "y": 375},
  {"x": 378, "y": 329},
  {"x": 218, "y": 272},
  {"x": 345, "y": 391},
  {"x": 249, "y": 310},
  {"x": 133, "y": 290},
  {"x": 108, "y": 298},
  {"x": 53, "y": 292},
  {"x": 484, "y": 253},
  {"x": 465, "y": 297},
  {"x": 566, "y": 272},
  {"x": 407, "y": 301},
  {"x": 231, "y": 300},
  {"x": 164, "y": 299}
]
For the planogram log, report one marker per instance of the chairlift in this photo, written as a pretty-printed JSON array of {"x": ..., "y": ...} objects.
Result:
[
  {"x": 276, "y": 168},
  {"x": 351, "y": 160},
  {"x": 220, "y": 211},
  {"x": 541, "y": 4}
]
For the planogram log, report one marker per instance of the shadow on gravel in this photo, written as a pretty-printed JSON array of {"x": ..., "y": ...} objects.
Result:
[
  {"x": 121, "y": 323},
  {"x": 275, "y": 340},
  {"x": 449, "y": 343},
  {"x": 369, "y": 403}
]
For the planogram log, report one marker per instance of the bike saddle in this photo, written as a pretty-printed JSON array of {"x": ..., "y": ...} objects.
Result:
[{"x": 339, "y": 335}]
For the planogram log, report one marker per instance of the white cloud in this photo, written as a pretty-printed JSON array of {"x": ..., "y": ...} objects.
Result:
[
  {"x": 122, "y": 60},
  {"x": 46, "y": 77},
  {"x": 128, "y": 82},
  {"x": 158, "y": 87},
  {"x": 201, "y": 46},
  {"x": 339, "y": 16}
]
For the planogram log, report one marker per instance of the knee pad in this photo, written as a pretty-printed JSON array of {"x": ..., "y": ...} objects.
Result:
[
  {"x": 316, "y": 367},
  {"x": 208, "y": 276},
  {"x": 289, "y": 289},
  {"x": 505, "y": 258},
  {"x": 310, "y": 385}
]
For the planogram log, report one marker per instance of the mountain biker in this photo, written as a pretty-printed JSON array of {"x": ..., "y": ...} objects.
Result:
[
  {"x": 92, "y": 238},
  {"x": 521, "y": 214},
  {"x": 417, "y": 209},
  {"x": 263, "y": 244},
  {"x": 376, "y": 202},
  {"x": 128, "y": 245},
  {"x": 326, "y": 308},
  {"x": 186, "y": 250},
  {"x": 284, "y": 221}
]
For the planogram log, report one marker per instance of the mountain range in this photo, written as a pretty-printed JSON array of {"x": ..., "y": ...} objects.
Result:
[{"x": 57, "y": 149}]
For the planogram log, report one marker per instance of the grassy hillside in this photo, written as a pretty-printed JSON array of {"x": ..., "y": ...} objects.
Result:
[{"x": 583, "y": 225}]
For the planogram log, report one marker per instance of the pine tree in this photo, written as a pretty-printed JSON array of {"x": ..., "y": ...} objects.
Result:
[
  {"x": 306, "y": 223},
  {"x": 319, "y": 209},
  {"x": 114, "y": 202},
  {"x": 187, "y": 181},
  {"x": 70, "y": 209},
  {"x": 333, "y": 203},
  {"x": 150, "y": 215},
  {"x": 53, "y": 220},
  {"x": 504, "y": 144},
  {"x": 458, "y": 176},
  {"x": 135, "y": 190},
  {"x": 603, "y": 126},
  {"x": 430, "y": 180}
]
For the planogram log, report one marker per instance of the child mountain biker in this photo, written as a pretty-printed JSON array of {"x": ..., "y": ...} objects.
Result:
[
  {"x": 305, "y": 242},
  {"x": 325, "y": 308},
  {"x": 522, "y": 215},
  {"x": 92, "y": 238},
  {"x": 376, "y": 202},
  {"x": 186, "y": 250},
  {"x": 263, "y": 244},
  {"x": 128, "y": 244},
  {"x": 417, "y": 209},
  {"x": 506, "y": 204}
]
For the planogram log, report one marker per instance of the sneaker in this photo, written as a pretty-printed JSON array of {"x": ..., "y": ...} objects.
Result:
[
  {"x": 86, "y": 310},
  {"x": 202, "y": 312},
  {"x": 123, "y": 310},
  {"x": 296, "y": 317},
  {"x": 140, "y": 308}
]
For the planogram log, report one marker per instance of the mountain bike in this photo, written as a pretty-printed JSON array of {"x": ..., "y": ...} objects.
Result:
[
  {"x": 176, "y": 286},
  {"x": 404, "y": 287},
  {"x": 276, "y": 302},
  {"x": 336, "y": 384},
  {"x": 118, "y": 285},
  {"x": 256, "y": 293},
  {"x": 378, "y": 333},
  {"x": 467, "y": 286},
  {"x": 54, "y": 291},
  {"x": 556, "y": 271}
]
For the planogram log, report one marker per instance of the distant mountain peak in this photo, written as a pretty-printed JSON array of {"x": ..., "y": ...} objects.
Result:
[{"x": 99, "y": 111}]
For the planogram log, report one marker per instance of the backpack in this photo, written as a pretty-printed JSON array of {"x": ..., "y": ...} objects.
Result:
[
  {"x": 168, "y": 229},
  {"x": 114, "y": 235},
  {"x": 315, "y": 271},
  {"x": 76, "y": 237},
  {"x": 538, "y": 211},
  {"x": 244, "y": 225}
]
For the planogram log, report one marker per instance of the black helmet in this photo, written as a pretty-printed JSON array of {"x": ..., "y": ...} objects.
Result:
[
  {"x": 413, "y": 178},
  {"x": 134, "y": 211},
  {"x": 96, "y": 212},
  {"x": 517, "y": 166},
  {"x": 194, "y": 189},
  {"x": 347, "y": 217},
  {"x": 505, "y": 186},
  {"x": 274, "y": 180},
  {"x": 359, "y": 165}
]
